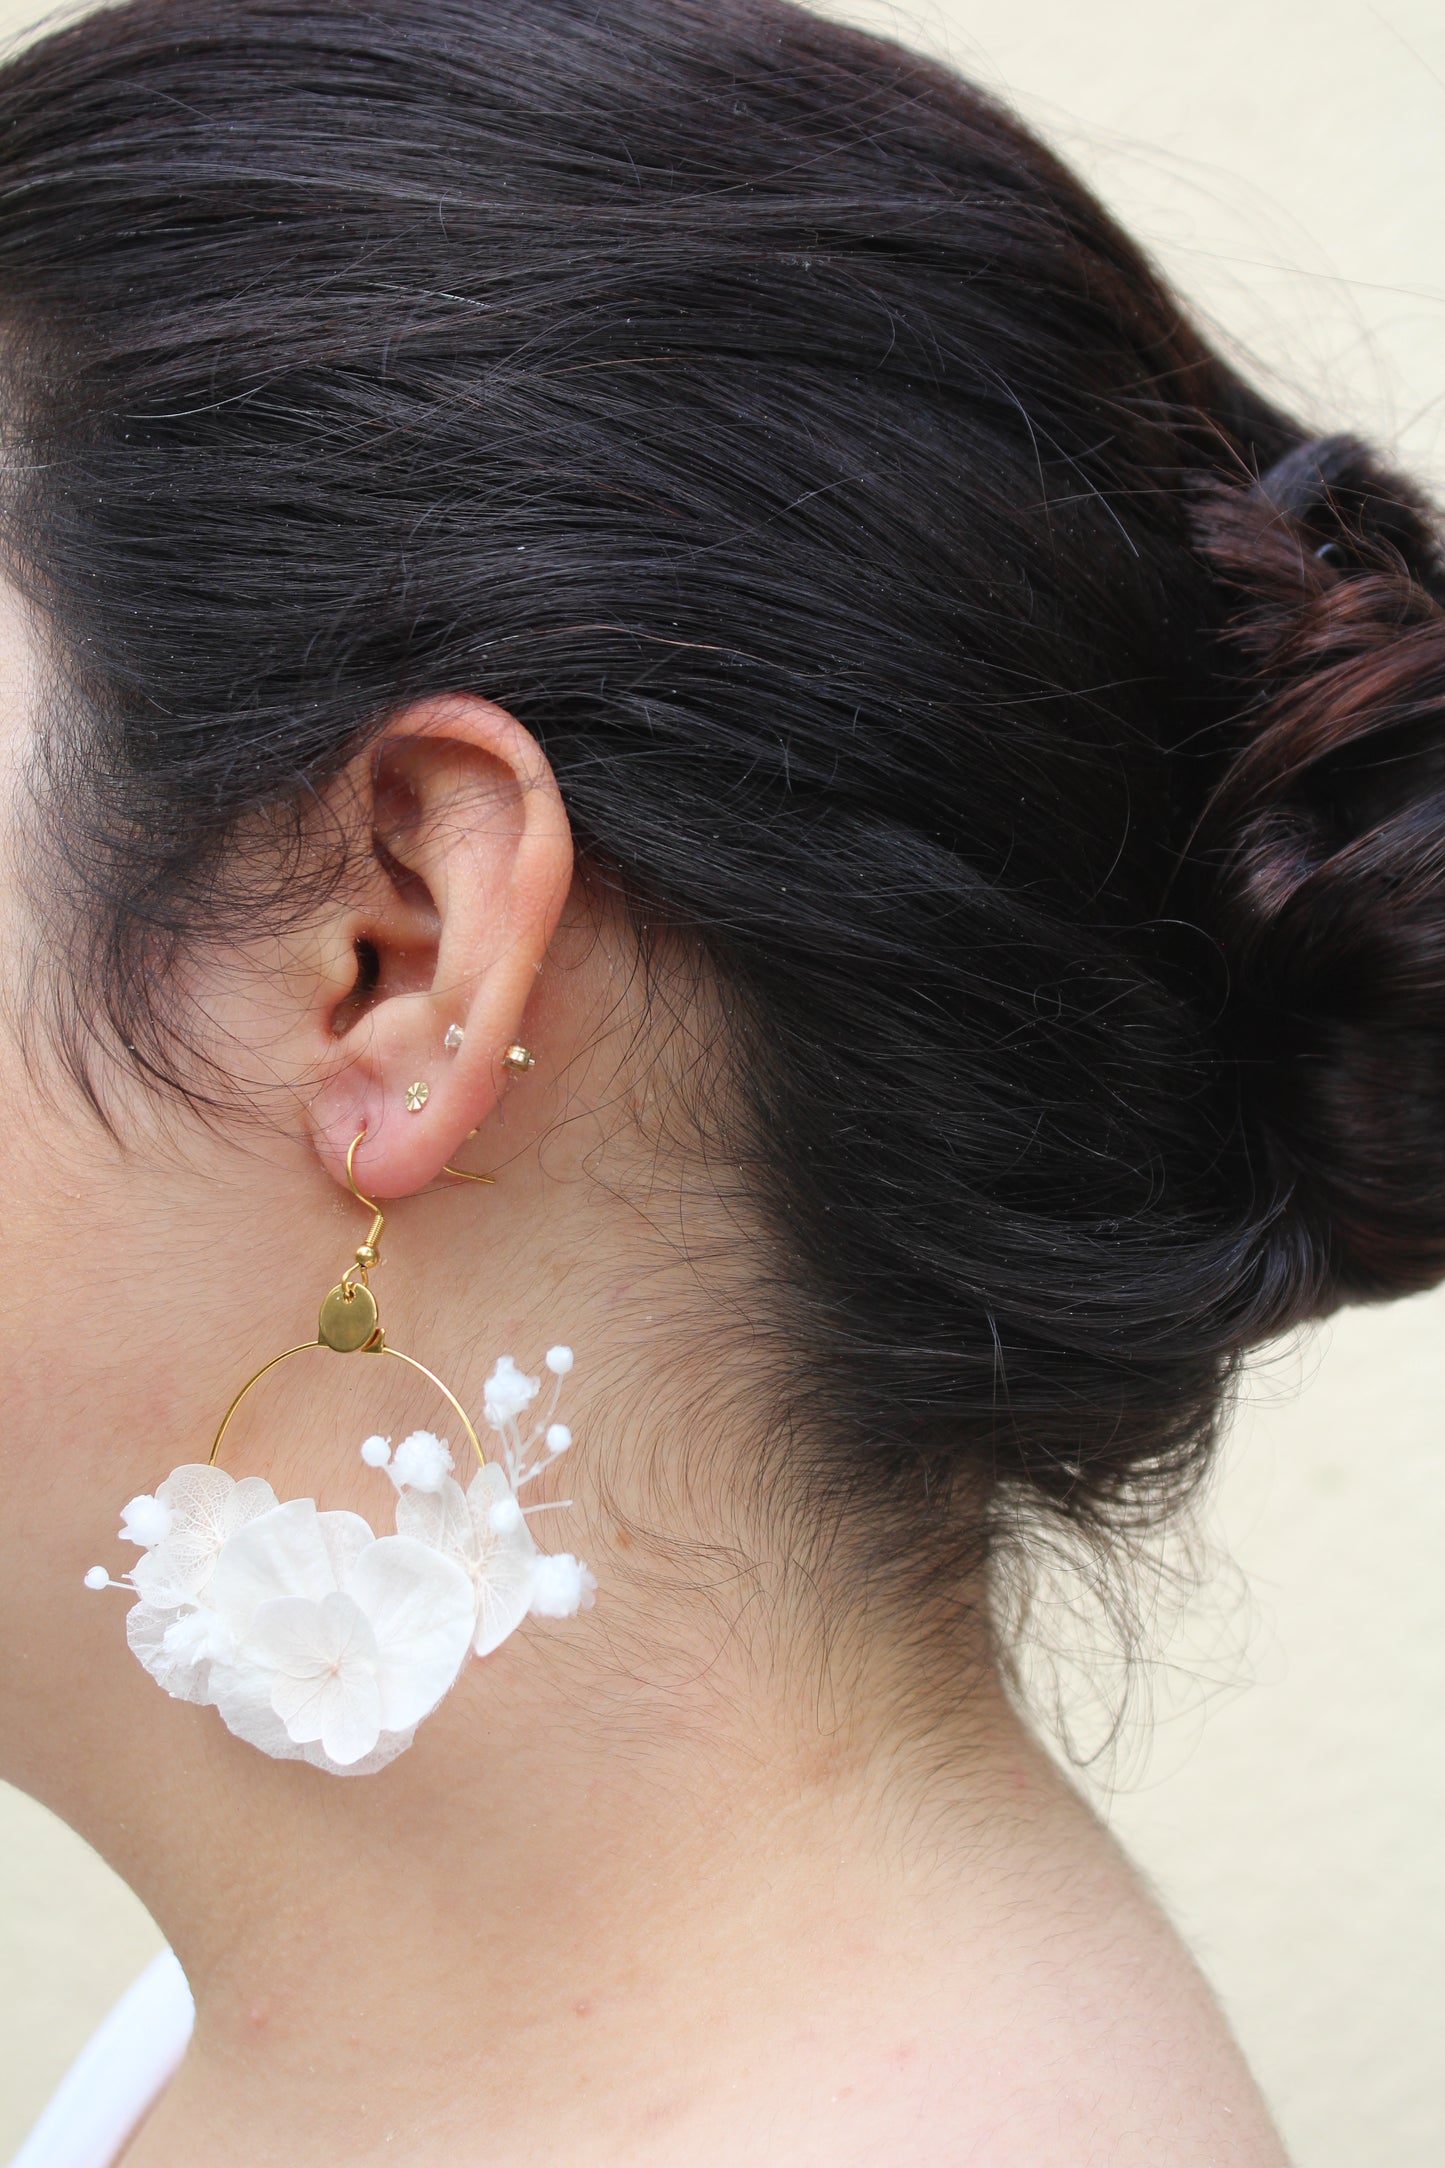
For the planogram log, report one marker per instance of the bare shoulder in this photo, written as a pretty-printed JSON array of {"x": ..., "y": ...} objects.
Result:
[
  {"x": 1066, "y": 2026},
  {"x": 1099, "y": 2043}
]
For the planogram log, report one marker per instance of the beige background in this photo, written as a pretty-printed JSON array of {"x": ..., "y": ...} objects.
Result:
[{"x": 1286, "y": 158}]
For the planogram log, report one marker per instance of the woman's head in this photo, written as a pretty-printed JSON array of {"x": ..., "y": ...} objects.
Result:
[{"x": 1001, "y": 753}]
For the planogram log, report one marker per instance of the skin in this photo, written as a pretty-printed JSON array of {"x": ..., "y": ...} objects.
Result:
[{"x": 686, "y": 1879}]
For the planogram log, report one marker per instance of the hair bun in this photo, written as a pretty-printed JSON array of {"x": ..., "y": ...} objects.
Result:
[{"x": 1324, "y": 842}]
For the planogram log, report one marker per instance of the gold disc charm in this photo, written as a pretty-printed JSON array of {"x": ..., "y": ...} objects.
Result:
[
  {"x": 348, "y": 1319},
  {"x": 349, "y": 1325}
]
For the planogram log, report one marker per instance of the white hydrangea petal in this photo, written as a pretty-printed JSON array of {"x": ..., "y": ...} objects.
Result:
[
  {"x": 146, "y": 1626},
  {"x": 438, "y": 1518},
  {"x": 176, "y": 1570},
  {"x": 198, "y": 1496},
  {"x": 504, "y": 1597},
  {"x": 388, "y": 1745},
  {"x": 340, "y": 1710},
  {"x": 322, "y": 1657},
  {"x": 502, "y": 1562},
  {"x": 241, "y": 1696},
  {"x": 301, "y": 1703},
  {"x": 280, "y": 1553},
  {"x": 171, "y": 1575},
  {"x": 197, "y": 1636},
  {"x": 206, "y": 1506},
  {"x": 251, "y": 1497},
  {"x": 421, "y": 1608},
  {"x": 351, "y": 1717},
  {"x": 241, "y": 1693},
  {"x": 486, "y": 1490},
  {"x": 345, "y": 1536},
  {"x": 300, "y": 1639}
]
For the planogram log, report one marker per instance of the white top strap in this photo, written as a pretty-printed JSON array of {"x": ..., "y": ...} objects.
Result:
[{"x": 118, "y": 2075}]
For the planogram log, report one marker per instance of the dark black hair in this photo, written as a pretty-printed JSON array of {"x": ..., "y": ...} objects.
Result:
[{"x": 1038, "y": 736}]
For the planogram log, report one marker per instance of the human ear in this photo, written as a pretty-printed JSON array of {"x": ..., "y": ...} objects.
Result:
[{"x": 441, "y": 928}]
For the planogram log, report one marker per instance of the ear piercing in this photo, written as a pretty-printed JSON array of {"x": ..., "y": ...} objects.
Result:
[{"x": 517, "y": 1059}]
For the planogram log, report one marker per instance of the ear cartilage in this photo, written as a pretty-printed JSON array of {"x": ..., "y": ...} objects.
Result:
[
  {"x": 453, "y": 1039},
  {"x": 417, "y": 1096}
]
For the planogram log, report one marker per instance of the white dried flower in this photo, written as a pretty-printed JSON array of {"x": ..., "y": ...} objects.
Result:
[
  {"x": 199, "y": 1637},
  {"x": 206, "y": 1506},
  {"x": 423, "y": 1461},
  {"x": 145, "y": 1521},
  {"x": 561, "y": 1586},
  {"x": 507, "y": 1392},
  {"x": 497, "y": 1561},
  {"x": 505, "y": 1516},
  {"x": 325, "y": 1636},
  {"x": 317, "y": 1640}
]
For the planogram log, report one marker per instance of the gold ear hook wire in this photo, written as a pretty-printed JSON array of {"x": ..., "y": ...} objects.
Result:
[
  {"x": 368, "y": 1252},
  {"x": 461, "y": 1172},
  {"x": 349, "y": 1323}
]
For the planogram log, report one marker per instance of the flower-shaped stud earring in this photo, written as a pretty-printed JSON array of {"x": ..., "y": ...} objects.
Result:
[{"x": 417, "y": 1096}]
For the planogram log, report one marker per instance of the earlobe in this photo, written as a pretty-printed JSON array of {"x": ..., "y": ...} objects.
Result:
[{"x": 450, "y": 917}]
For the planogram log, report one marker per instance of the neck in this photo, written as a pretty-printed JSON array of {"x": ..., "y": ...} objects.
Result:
[
  {"x": 592, "y": 1886},
  {"x": 602, "y": 1919},
  {"x": 641, "y": 1875},
  {"x": 671, "y": 1882}
]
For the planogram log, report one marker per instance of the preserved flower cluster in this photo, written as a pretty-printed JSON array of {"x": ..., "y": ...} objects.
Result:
[{"x": 318, "y": 1640}]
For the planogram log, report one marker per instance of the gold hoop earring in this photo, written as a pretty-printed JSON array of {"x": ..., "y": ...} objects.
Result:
[
  {"x": 314, "y": 1638},
  {"x": 350, "y": 1324}
]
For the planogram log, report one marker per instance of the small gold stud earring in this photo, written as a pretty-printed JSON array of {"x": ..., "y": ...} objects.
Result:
[
  {"x": 417, "y": 1096},
  {"x": 519, "y": 1059}
]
